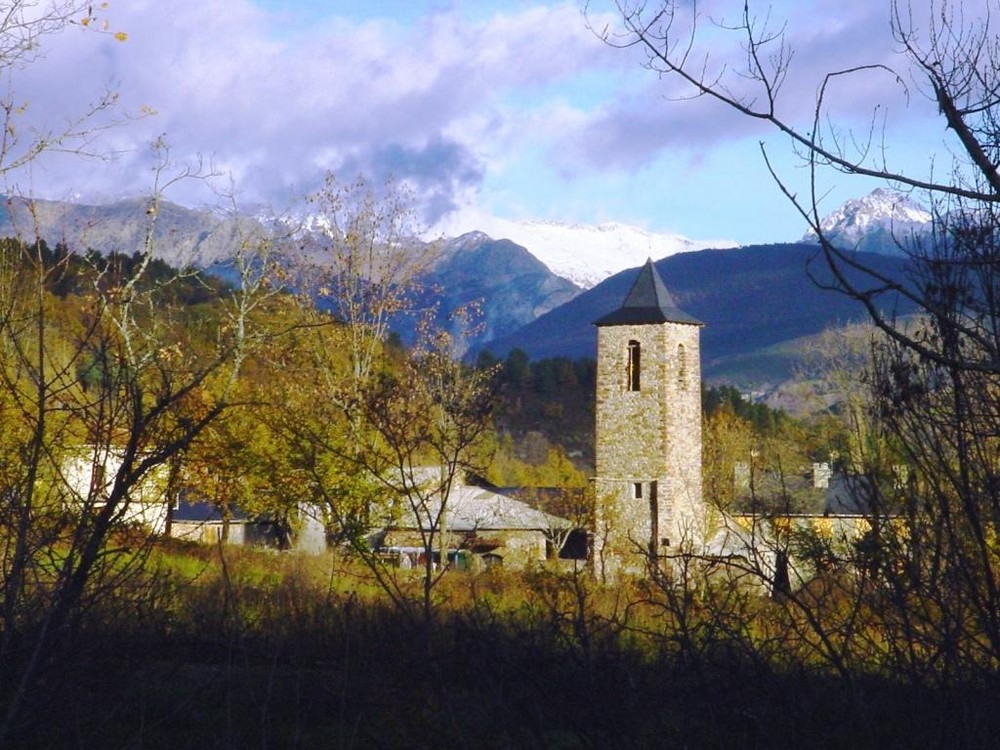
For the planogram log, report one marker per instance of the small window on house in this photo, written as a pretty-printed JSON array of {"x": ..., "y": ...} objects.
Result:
[
  {"x": 637, "y": 490},
  {"x": 682, "y": 378},
  {"x": 633, "y": 365}
]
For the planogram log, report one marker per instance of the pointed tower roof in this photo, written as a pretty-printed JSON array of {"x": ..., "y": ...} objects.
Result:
[{"x": 647, "y": 302}]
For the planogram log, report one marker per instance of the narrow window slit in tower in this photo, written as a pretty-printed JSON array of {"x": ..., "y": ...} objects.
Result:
[{"x": 633, "y": 365}]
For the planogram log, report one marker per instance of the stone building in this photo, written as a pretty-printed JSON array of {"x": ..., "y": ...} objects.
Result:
[
  {"x": 648, "y": 482},
  {"x": 488, "y": 525}
]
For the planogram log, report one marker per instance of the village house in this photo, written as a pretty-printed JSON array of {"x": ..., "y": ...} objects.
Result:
[
  {"x": 202, "y": 521},
  {"x": 479, "y": 527},
  {"x": 89, "y": 476},
  {"x": 647, "y": 485},
  {"x": 482, "y": 526}
]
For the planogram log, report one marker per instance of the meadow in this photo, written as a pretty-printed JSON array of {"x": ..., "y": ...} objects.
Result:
[{"x": 216, "y": 647}]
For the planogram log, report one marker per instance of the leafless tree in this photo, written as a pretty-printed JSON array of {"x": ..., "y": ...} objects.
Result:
[
  {"x": 364, "y": 262},
  {"x": 944, "y": 54},
  {"x": 932, "y": 388},
  {"x": 404, "y": 443},
  {"x": 99, "y": 392},
  {"x": 27, "y": 28}
]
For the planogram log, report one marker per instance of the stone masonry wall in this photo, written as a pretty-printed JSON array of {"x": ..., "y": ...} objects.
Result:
[{"x": 646, "y": 436}]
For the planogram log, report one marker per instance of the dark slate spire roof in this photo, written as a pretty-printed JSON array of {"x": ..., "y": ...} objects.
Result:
[{"x": 647, "y": 302}]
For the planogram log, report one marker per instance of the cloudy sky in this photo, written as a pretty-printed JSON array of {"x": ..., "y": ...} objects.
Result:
[{"x": 511, "y": 109}]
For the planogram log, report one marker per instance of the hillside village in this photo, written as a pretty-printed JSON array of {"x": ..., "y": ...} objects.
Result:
[
  {"x": 648, "y": 430},
  {"x": 211, "y": 415},
  {"x": 665, "y": 479},
  {"x": 494, "y": 523},
  {"x": 327, "y": 475}
]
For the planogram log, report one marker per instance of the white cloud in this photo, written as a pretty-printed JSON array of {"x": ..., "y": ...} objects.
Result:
[
  {"x": 278, "y": 110},
  {"x": 522, "y": 102}
]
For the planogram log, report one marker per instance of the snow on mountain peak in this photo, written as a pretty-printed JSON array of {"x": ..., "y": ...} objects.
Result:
[
  {"x": 882, "y": 209},
  {"x": 471, "y": 239},
  {"x": 586, "y": 254}
]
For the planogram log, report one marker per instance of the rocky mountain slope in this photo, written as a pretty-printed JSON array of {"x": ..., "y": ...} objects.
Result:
[
  {"x": 877, "y": 223},
  {"x": 587, "y": 254},
  {"x": 182, "y": 236},
  {"x": 752, "y": 299},
  {"x": 509, "y": 286}
]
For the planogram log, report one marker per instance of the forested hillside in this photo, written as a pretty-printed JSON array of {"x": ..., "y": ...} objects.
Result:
[{"x": 751, "y": 300}]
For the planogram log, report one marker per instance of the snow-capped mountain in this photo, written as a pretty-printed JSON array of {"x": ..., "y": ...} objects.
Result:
[
  {"x": 875, "y": 223},
  {"x": 587, "y": 254}
]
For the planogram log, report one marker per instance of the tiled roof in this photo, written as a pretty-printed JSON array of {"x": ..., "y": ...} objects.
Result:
[
  {"x": 647, "y": 302},
  {"x": 478, "y": 509},
  {"x": 200, "y": 511}
]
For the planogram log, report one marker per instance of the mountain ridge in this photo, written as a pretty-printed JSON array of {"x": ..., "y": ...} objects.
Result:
[
  {"x": 751, "y": 298},
  {"x": 509, "y": 284},
  {"x": 884, "y": 221},
  {"x": 586, "y": 254},
  {"x": 181, "y": 236}
]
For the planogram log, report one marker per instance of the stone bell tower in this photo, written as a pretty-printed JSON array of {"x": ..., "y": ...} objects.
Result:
[{"x": 648, "y": 483}]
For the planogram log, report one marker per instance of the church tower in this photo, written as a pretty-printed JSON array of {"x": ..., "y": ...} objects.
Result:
[{"x": 648, "y": 432}]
